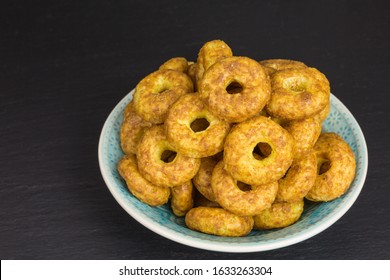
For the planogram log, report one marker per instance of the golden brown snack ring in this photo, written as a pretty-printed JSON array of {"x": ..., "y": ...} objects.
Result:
[
  {"x": 218, "y": 221},
  {"x": 299, "y": 179},
  {"x": 191, "y": 72},
  {"x": 235, "y": 88},
  {"x": 336, "y": 165},
  {"x": 155, "y": 93},
  {"x": 210, "y": 53},
  {"x": 191, "y": 142},
  {"x": 240, "y": 143},
  {"x": 298, "y": 93},
  {"x": 323, "y": 114},
  {"x": 140, "y": 187},
  {"x": 182, "y": 199},
  {"x": 177, "y": 63},
  {"x": 132, "y": 129},
  {"x": 202, "y": 179},
  {"x": 273, "y": 65},
  {"x": 237, "y": 201},
  {"x": 305, "y": 133},
  {"x": 279, "y": 215},
  {"x": 156, "y": 168}
]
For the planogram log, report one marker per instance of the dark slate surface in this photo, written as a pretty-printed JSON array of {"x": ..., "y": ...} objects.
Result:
[{"x": 65, "y": 64}]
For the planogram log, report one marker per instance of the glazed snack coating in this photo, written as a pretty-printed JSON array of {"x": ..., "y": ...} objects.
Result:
[
  {"x": 298, "y": 93},
  {"x": 138, "y": 185},
  {"x": 182, "y": 198},
  {"x": 132, "y": 129},
  {"x": 243, "y": 138},
  {"x": 237, "y": 201},
  {"x": 218, "y": 221},
  {"x": 176, "y": 171},
  {"x": 279, "y": 215},
  {"x": 191, "y": 142},
  {"x": 299, "y": 179},
  {"x": 202, "y": 179},
  {"x": 248, "y": 76},
  {"x": 177, "y": 63},
  {"x": 210, "y": 53},
  {"x": 336, "y": 165},
  {"x": 155, "y": 93}
]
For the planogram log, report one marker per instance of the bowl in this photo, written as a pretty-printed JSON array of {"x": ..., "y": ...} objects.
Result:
[{"x": 315, "y": 218}]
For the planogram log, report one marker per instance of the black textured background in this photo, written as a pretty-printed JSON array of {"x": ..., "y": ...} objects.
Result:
[{"x": 64, "y": 65}]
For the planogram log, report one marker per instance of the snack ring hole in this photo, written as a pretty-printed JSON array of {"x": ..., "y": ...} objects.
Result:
[
  {"x": 261, "y": 151},
  {"x": 234, "y": 88},
  {"x": 168, "y": 156},
  {"x": 323, "y": 165},
  {"x": 199, "y": 125},
  {"x": 296, "y": 84},
  {"x": 243, "y": 186}
]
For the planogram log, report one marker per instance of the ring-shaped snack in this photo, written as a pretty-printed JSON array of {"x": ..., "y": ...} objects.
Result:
[
  {"x": 210, "y": 53},
  {"x": 336, "y": 167},
  {"x": 155, "y": 93},
  {"x": 279, "y": 215},
  {"x": 140, "y": 187},
  {"x": 323, "y": 114},
  {"x": 202, "y": 179},
  {"x": 305, "y": 133},
  {"x": 160, "y": 163},
  {"x": 240, "y": 202},
  {"x": 195, "y": 142},
  {"x": 132, "y": 129},
  {"x": 201, "y": 200},
  {"x": 182, "y": 198},
  {"x": 243, "y": 138},
  {"x": 218, "y": 221},
  {"x": 235, "y": 89},
  {"x": 298, "y": 93},
  {"x": 299, "y": 179},
  {"x": 177, "y": 63},
  {"x": 271, "y": 66}
]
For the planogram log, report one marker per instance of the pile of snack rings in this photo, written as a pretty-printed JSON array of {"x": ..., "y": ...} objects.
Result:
[{"x": 233, "y": 144}]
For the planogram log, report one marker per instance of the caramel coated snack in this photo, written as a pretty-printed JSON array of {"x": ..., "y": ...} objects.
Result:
[
  {"x": 155, "y": 93},
  {"x": 140, "y": 187},
  {"x": 279, "y": 215},
  {"x": 336, "y": 168},
  {"x": 160, "y": 163},
  {"x": 195, "y": 142},
  {"x": 243, "y": 138},
  {"x": 235, "y": 88},
  {"x": 298, "y": 93},
  {"x": 218, "y": 221}
]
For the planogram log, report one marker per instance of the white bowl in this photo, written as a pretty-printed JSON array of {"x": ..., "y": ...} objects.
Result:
[{"x": 315, "y": 218}]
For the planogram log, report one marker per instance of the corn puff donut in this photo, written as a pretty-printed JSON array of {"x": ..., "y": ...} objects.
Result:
[
  {"x": 177, "y": 63},
  {"x": 235, "y": 89},
  {"x": 155, "y": 93},
  {"x": 336, "y": 168},
  {"x": 240, "y": 161},
  {"x": 182, "y": 198},
  {"x": 188, "y": 140},
  {"x": 202, "y": 179},
  {"x": 237, "y": 201},
  {"x": 298, "y": 93},
  {"x": 218, "y": 221},
  {"x": 271, "y": 66},
  {"x": 160, "y": 163},
  {"x": 140, "y": 187},
  {"x": 279, "y": 215},
  {"x": 132, "y": 129}
]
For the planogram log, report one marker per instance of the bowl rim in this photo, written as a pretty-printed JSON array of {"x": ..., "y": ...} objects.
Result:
[{"x": 236, "y": 247}]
